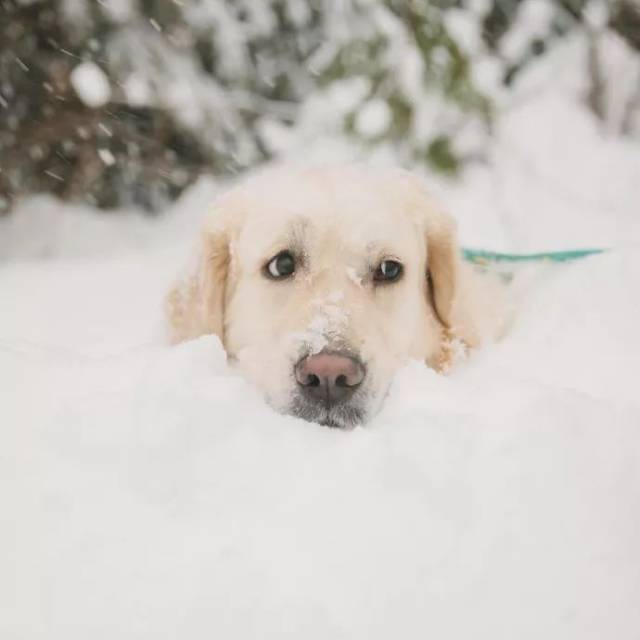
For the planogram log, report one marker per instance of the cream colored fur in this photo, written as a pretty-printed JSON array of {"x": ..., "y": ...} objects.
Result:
[{"x": 341, "y": 221}]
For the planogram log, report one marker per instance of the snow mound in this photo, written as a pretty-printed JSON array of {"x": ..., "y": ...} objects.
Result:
[{"x": 149, "y": 491}]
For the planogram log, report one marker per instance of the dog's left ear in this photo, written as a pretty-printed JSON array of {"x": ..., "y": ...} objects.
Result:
[
  {"x": 466, "y": 304},
  {"x": 445, "y": 275},
  {"x": 472, "y": 307}
]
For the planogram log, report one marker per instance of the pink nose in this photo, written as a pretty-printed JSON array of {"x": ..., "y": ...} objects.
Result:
[{"x": 329, "y": 377}]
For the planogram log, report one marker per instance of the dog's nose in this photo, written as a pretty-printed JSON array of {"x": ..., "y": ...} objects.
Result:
[{"x": 329, "y": 377}]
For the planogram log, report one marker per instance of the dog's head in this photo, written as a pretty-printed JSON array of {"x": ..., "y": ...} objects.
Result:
[{"x": 322, "y": 282}]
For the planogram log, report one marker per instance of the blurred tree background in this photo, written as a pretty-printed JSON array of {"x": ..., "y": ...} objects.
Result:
[{"x": 126, "y": 102}]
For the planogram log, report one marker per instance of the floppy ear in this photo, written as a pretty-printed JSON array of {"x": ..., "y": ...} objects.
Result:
[
  {"x": 471, "y": 307},
  {"x": 450, "y": 281},
  {"x": 442, "y": 265},
  {"x": 195, "y": 306}
]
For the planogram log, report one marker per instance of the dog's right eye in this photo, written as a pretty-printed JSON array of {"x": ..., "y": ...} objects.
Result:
[{"x": 281, "y": 266}]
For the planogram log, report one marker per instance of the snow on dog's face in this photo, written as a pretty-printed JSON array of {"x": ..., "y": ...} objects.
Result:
[{"x": 321, "y": 283}]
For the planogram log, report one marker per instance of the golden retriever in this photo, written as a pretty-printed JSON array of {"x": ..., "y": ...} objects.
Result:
[{"x": 322, "y": 282}]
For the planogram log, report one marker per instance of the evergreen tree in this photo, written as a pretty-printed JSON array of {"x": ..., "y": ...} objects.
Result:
[{"x": 128, "y": 101}]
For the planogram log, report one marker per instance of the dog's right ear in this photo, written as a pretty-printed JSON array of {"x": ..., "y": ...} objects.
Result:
[{"x": 196, "y": 305}]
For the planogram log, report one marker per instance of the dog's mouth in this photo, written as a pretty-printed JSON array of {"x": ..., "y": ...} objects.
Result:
[{"x": 345, "y": 415}]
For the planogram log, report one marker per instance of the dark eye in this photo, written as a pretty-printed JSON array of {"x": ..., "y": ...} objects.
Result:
[
  {"x": 388, "y": 271},
  {"x": 281, "y": 266}
]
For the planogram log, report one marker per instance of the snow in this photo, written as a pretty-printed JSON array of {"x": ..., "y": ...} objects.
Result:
[
  {"x": 533, "y": 21},
  {"x": 137, "y": 90},
  {"x": 556, "y": 177},
  {"x": 107, "y": 157},
  {"x": 148, "y": 492},
  {"x": 464, "y": 27},
  {"x": 373, "y": 119},
  {"x": 91, "y": 84},
  {"x": 622, "y": 86}
]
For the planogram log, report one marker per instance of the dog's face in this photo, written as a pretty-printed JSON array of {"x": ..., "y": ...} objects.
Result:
[{"x": 321, "y": 283}]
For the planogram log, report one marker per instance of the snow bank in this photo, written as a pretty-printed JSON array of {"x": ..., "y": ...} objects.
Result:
[{"x": 148, "y": 492}]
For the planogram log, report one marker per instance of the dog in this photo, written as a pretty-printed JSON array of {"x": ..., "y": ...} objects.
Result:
[{"x": 322, "y": 282}]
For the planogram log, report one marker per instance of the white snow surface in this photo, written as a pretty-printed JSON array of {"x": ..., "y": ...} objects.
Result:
[{"x": 147, "y": 491}]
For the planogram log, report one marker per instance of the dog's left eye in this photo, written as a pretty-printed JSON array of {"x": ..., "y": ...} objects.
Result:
[
  {"x": 281, "y": 266},
  {"x": 388, "y": 271}
]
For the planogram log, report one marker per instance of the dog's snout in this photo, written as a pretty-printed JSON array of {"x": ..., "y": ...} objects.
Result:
[{"x": 329, "y": 377}]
